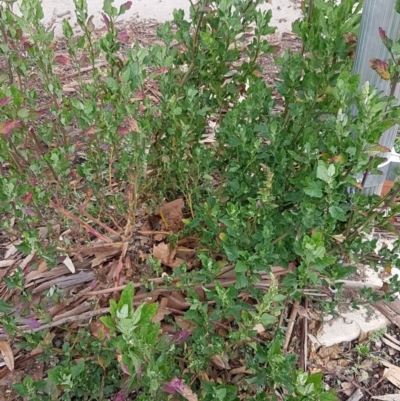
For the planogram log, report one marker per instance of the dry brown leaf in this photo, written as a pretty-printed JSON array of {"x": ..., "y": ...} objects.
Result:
[
  {"x": 42, "y": 267},
  {"x": 133, "y": 125},
  {"x": 176, "y": 301},
  {"x": 7, "y": 354},
  {"x": 161, "y": 312},
  {"x": 185, "y": 324},
  {"x": 10, "y": 252},
  {"x": 166, "y": 256},
  {"x": 303, "y": 312},
  {"x": 6, "y": 263},
  {"x": 27, "y": 260},
  {"x": 38, "y": 370},
  {"x": 347, "y": 388},
  {"x": 221, "y": 361},
  {"x": 332, "y": 352},
  {"x": 172, "y": 214},
  {"x": 240, "y": 370},
  {"x": 392, "y": 373},
  {"x": 259, "y": 328},
  {"x": 362, "y": 336}
]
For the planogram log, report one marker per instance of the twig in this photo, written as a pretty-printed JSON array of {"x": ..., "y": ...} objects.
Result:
[
  {"x": 69, "y": 319},
  {"x": 194, "y": 48},
  {"x": 304, "y": 339},
  {"x": 98, "y": 222},
  {"x": 292, "y": 319},
  {"x": 85, "y": 69},
  {"x": 79, "y": 221},
  {"x": 121, "y": 287}
]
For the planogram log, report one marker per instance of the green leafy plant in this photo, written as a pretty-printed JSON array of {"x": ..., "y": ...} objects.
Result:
[{"x": 271, "y": 188}]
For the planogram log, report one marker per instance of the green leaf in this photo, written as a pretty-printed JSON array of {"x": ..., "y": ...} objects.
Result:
[
  {"x": 177, "y": 111},
  {"x": 126, "y": 298},
  {"x": 231, "y": 251},
  {"x": 331, "y": 170},
  {"x": 113, "y": 84},
  {"x": 137, "y": 314},
  {"x": 337, "y": 213},
  {"x": 240, "y": 267},
  {"x": 108, "y": 322},
  {"x": 109, "y": 9},
  {"x": 322, "y": 172},
  {"x": 123, "y": 312},
  {"x": 266, "y": 319},
  {"x": 126, "y": 75},
  {"x": 77, "y": 369},
  {"x": 328, "y": 396},
  {"x": 124, "y": 7},
  {"x": 397, "y": 6},
  {"x": 241, "y": 281},
  {"x": 375, "y": 149},
  {"x": 113, "y": 308},
  {"x": 314, "y": 190},
  {"x": 148, "y": 312},
  {"x": 5, "y": 307}
]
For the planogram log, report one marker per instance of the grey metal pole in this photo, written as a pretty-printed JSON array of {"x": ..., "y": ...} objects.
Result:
[{"x": 377, "y": 14}]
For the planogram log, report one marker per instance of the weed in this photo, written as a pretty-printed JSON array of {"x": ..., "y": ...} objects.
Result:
[{"x": 271, "y": 189}]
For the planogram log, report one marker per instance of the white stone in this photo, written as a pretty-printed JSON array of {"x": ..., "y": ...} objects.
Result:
[{"x": 348, "y": 326}]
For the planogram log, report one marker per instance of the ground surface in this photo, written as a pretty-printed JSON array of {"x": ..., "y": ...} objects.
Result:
[{"x": 344, "y": 368}]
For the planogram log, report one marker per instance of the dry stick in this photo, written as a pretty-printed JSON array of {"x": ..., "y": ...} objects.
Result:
[
  {"x": 147, "y": 232},
  {"x": 89, "y": 228},
  {"x": 121, "y": 287},
  {"x": 98, "y": 222},
  {"x": 290, "y": 326},
  {"x": 304, "y": 348},
  {"x": 69, "y": 319},
  {"x": 85, "y": 69}
]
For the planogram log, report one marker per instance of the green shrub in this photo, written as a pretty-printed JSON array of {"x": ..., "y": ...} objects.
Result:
[{"x": 271, "y": 189}]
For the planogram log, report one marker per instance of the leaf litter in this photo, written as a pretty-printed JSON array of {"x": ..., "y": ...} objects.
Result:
[{"x": 90, "y": 274}]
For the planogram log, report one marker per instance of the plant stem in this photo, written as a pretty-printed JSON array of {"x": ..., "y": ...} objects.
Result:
[{"x": 194, "y": 46}]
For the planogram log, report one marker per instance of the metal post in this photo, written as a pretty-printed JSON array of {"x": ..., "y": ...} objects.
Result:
[{"x": 376, "y": 14}]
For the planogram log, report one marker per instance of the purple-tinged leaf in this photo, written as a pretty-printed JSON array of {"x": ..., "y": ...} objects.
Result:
[
  {"x": 90, "y": 25},
  {"x": 122, "y": 131},
  {"x": 32, "y": 323},
  {"x": 121, "y": 395},
  {"x": 177, "y": 385},
  {"x": 4, "y": 101},
  {"x": 61, "y": 59},
  {"x": 180, "y": 337},
  {"x": 381, "y": 67},
  {"x": 385, "y": 40},
  {"x": 27, "y": 198},
  {"x": 7, "y": 127},
  {"x": 84, "y": 61},
  {"x": 105, "y": 19},
  {"x": 123, "y": 36},
  {"x": 124, "y": 7},
  {"x": 91, "y": 130}
]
